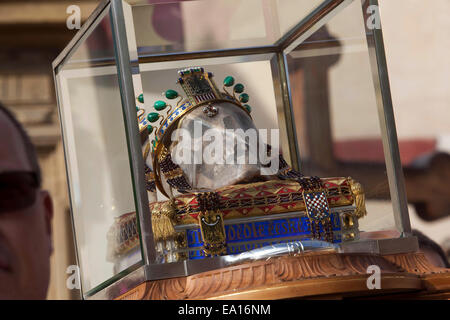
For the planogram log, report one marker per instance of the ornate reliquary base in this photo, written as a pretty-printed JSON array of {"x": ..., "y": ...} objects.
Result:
[
  {"x": 248, "y": 216},
  {"x": 312, "y": 275}
]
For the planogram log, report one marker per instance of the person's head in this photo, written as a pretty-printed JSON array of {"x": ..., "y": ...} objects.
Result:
[{"x": 25, "y": 216}]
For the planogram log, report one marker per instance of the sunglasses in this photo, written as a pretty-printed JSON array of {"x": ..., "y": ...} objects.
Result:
[{"x": 17, "y": 190}]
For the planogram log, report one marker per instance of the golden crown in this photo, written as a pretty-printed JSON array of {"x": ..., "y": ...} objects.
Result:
[{"x": 200, "y": 90}]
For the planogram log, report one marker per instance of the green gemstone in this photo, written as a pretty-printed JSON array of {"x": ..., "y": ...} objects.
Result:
[
  {"x": 153, "y": 117},
  {"x": 137, "y": 108},
  {"x": 141, "y": 98},
  {"x": 239, "y": 88},
  {"x": 249, "y": 109},
  {"x": 228, "y": 81},
  {"x": 160, "y": 105},
  {"x": 171, "y": 94},
  {"x": 244, "y": 98},
  {"x": 150, "y": 129}
]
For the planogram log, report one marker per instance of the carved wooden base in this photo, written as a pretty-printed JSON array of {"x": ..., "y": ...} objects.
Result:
[{"x": 310, "y": 275}]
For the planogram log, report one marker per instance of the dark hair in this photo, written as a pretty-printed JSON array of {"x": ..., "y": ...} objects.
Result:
[
  {"x": 29, "y": 147},
  {"x": 424, "y": 241}
]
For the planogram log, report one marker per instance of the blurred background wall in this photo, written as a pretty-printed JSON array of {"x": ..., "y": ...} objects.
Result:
[
  {"x": 417, "y": 43},
  {"x": 32, "y": 33}
]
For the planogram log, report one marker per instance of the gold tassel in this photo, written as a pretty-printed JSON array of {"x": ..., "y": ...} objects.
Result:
[
  {"x": 162, "y": 224},
  {"x": 358, "y": 198}
]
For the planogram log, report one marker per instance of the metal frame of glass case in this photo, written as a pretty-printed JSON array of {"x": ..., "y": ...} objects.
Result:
[{"x": 148, "y": 270}]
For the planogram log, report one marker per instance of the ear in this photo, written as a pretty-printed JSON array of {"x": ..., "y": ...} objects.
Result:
[{"x": 48, "y": 214}]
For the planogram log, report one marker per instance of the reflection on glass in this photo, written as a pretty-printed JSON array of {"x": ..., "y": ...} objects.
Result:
[
  {"x": 97, "y": 157},
  {"x": 336, "y": 112},
  {"x": 224, "y": 24}
]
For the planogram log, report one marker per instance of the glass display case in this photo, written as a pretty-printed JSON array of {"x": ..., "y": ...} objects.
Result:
[{"x": 309, "y": 77}]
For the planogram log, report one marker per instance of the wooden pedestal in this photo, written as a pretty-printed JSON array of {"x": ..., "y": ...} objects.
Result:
[{"x": 312, "y": 275}]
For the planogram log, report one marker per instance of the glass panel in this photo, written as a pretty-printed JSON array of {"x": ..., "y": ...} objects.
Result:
[
  {"x": 97, "y": 158},
  {"x": 291, "y": 12},
  {"x": 190, "y": 26},
  {"x": 96, "y": 48},
  {"x": 335, "y": 109}
]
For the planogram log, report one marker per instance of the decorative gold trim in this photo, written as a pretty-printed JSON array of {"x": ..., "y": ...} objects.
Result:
[
  {"x": 150, "y": 176},
  {"x": 157, "y": 172},
  {"x": 212, "y": 229},
  {"x": 358, "y": 197},
  {"x": 263, "y": 198},
  {"x": 174, "y": 173},
  {"x": 147, "y": 149},
  {"x": 163, "y": 154}
]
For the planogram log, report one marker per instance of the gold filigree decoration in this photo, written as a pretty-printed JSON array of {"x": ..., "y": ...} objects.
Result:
[
  {"x": 358, "y": 197},
  {"x": 162, "y": 222}
]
